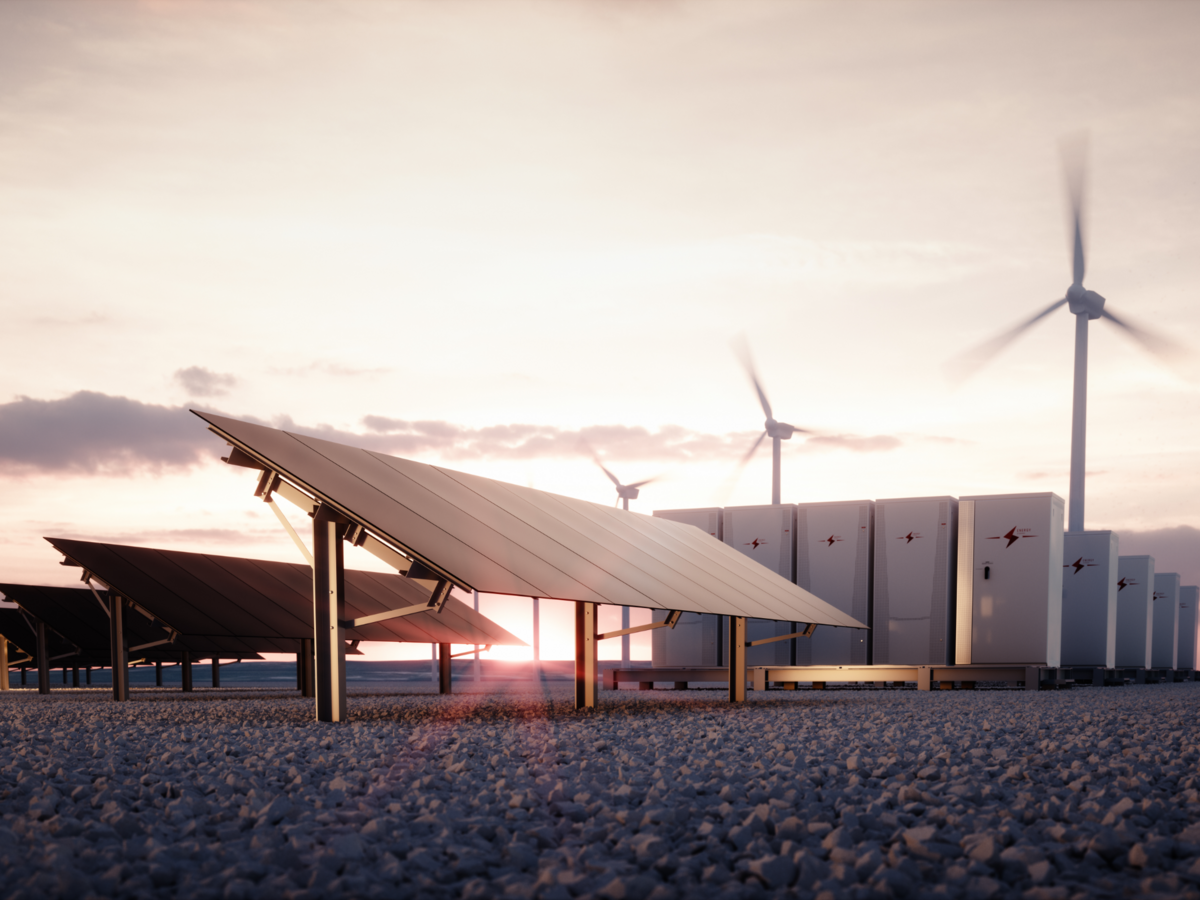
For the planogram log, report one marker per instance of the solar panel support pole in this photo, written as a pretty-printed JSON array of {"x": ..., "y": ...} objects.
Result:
[
  {"x": 537, "y": 638},
  {"x": 157, "y": 674},
  {"x": 75, "y": 677},
  {"x": 329, "y": 591},
  {"x": 120, "y": 651},
  {"x": 737, "y": 659},
  {"x": 625, "y": 637},
  {"x": 185, "y": 670},
  {"x": 477, "y": 667},
  {"x": 87, "y": 673},
  {"x": 4, "y": 685},
  {"x": 444, "y": 673},
  {"x": 585, "y": 655},
  {"x": 43, "y": 659},
  {"x": 305, "y": 661},
  {"x": 216, "y": 672}
]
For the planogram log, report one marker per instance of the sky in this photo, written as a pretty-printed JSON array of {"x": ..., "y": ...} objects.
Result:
[{"x": 489, "y": 235}]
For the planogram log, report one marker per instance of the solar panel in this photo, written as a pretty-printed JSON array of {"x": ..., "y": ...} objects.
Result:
[
  {"x": 501, "y": 538},
  {"x": 239, "y": 606}
]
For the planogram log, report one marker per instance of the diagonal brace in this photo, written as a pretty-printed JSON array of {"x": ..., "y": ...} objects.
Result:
[
  {"x": 437, "y": 600},
  {"x": 670, "y": 622},
  {"x": 807, "y": 632}
]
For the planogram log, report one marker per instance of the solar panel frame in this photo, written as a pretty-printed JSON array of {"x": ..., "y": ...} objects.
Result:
[{"x": 474, "y": 529}]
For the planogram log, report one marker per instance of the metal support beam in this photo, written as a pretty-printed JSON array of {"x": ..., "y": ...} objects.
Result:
[
  {"x": 437, "y": 601},
  {"x": 444, "y": 673},
  {"x": 308, "y": 686},
  {"x": 65, "y": 676},
  {"x": 75, "y": 676},
  {"x": 157, "y": 673},
  {"x": 216, "y": 671},
  {"x": 737, "y": 659},
  {"x": 43, "y": 659},
  {"x": 807, "y": 632},
  {"x": 625, "y": 637},
  {"x": 88, "y": 674},
  {"x": 670, "y": 621},
  {"x": 4, "y": 685},
  {"x": 185, "y": 670},
  {"x": 120, "y": 650},
  {"x": 329, "y": 591},
  {"x": 585, "y": 655}
]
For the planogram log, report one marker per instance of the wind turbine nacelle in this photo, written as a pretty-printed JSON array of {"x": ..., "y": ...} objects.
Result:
[
  {"x": 1084, "y": 301},
  {"x": 627, "y": 493},
  {"x": 781, "y": 430}
]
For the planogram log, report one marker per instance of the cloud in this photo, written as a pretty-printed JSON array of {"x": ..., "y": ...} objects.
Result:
[
  {"x": 95, "y": 433},
  {"x": 89, "y": 432},
  {"x": 200, "y": 382},
  {"x": 1174, "y": 549},
  {"x": 337, "y": 370}
]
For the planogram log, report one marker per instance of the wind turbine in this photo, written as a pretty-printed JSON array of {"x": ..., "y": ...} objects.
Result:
[
  {"x": 776, "y": 430},
  {"x": 625, "y": 492},
  {"x": 1085, "y": 305}
]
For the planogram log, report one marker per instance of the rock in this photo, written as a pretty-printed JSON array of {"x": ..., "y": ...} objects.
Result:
[{"x": 775, "y": 871}]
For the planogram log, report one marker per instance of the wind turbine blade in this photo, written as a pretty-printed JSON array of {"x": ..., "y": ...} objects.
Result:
[
  {"x": 611, "y": 477},
  {"x": 638, "y": 484},
  {"x": 1155, "y": 343},
  {"x": 966, "y": 364},
  {"x": 1074, "y": 153},
  {"x": 737, "y": 472},
  {"x": 743, "y": 352}
]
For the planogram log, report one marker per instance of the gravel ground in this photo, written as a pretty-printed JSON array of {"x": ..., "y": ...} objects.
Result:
[{"x": 1087, "y": 792}]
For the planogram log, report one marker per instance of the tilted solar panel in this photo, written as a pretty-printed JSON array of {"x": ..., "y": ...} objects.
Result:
[{"x": 501, "y": 538}]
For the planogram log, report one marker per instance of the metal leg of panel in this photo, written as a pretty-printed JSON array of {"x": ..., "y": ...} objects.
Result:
[
  {"x": 88, "y": 674},
  {"x": 216, "y": 671},
  {"x": 185, "y": 671},
  {"x": 4, "y": 685},
  {"x": 158, "y": 673},
  {"x": 625, "y": 638},
  {"x": 43, "y": 659},
  {"x": 329, "y": 592},
  {"x": 75, "y": 676},
  {"x": 65, "y": 675},
  {"x": 737, "y": 659},
  {"x": 585, "y": 655},
  {"x": 306, "y": 661},
  {"x": 445, "y": 676},
  {"x": 120, "y": 648},
  {"x": 24, "y": 676}
]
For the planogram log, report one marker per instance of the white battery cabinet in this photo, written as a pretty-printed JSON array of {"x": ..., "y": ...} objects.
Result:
[
  {"x": 1135, "y": 611},
  {"x": 1163, "y": 647},
  {"x": 767, "y": 535},
  {"x": 1089, "y": 599},
  {"x": 916, "y": 545},
  {"x": 1189, "y": 596},
  {"x": 1010, "y": 577},
  {"x": 834, "y": 561},
  {"x": 696, "y": 638}
]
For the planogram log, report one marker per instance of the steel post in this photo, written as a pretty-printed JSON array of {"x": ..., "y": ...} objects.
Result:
[
  {"x": 329, "y": 591},
  {"x": 120, "y": 649},
  {"x": 88, "y": 674},
  {"x": 24, "y": 674},
  {"x": 43, "y": 659},
  {"x": 737, "y": 659},
  {"x": 625, "y": 638},
  {"x": 1078, "y": 425},
  {"x": 216, "y": 671},
  {"x": 65, "y": 675},
  {"x": 75, "y": 676},
  {"x": 185, "y": 670},
  {"x": 157, "y": 673},
  {"x": 444, "y": 673},
  {"x": 4, "y": 685},
  {"x": 477, "y": 668},
  {"x": 585, "y": 655},
  {"x": 537, "y": 638},
  {"x": 305, "y": 661}
]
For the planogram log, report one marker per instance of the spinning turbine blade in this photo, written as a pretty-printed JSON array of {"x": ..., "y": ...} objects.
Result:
[
  {"x": 1074, "y": 151},
  {"x": 743, "y": 352},
  {"x": 1156, "y": 344},
  {"x": 967, "y": 364},
  {"x": 638, "y": 484},
  {"x": 731, "y": 483}
]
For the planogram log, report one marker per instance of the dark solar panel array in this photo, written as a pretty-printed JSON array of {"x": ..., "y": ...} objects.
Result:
[{"x": 246, "y": 605}]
